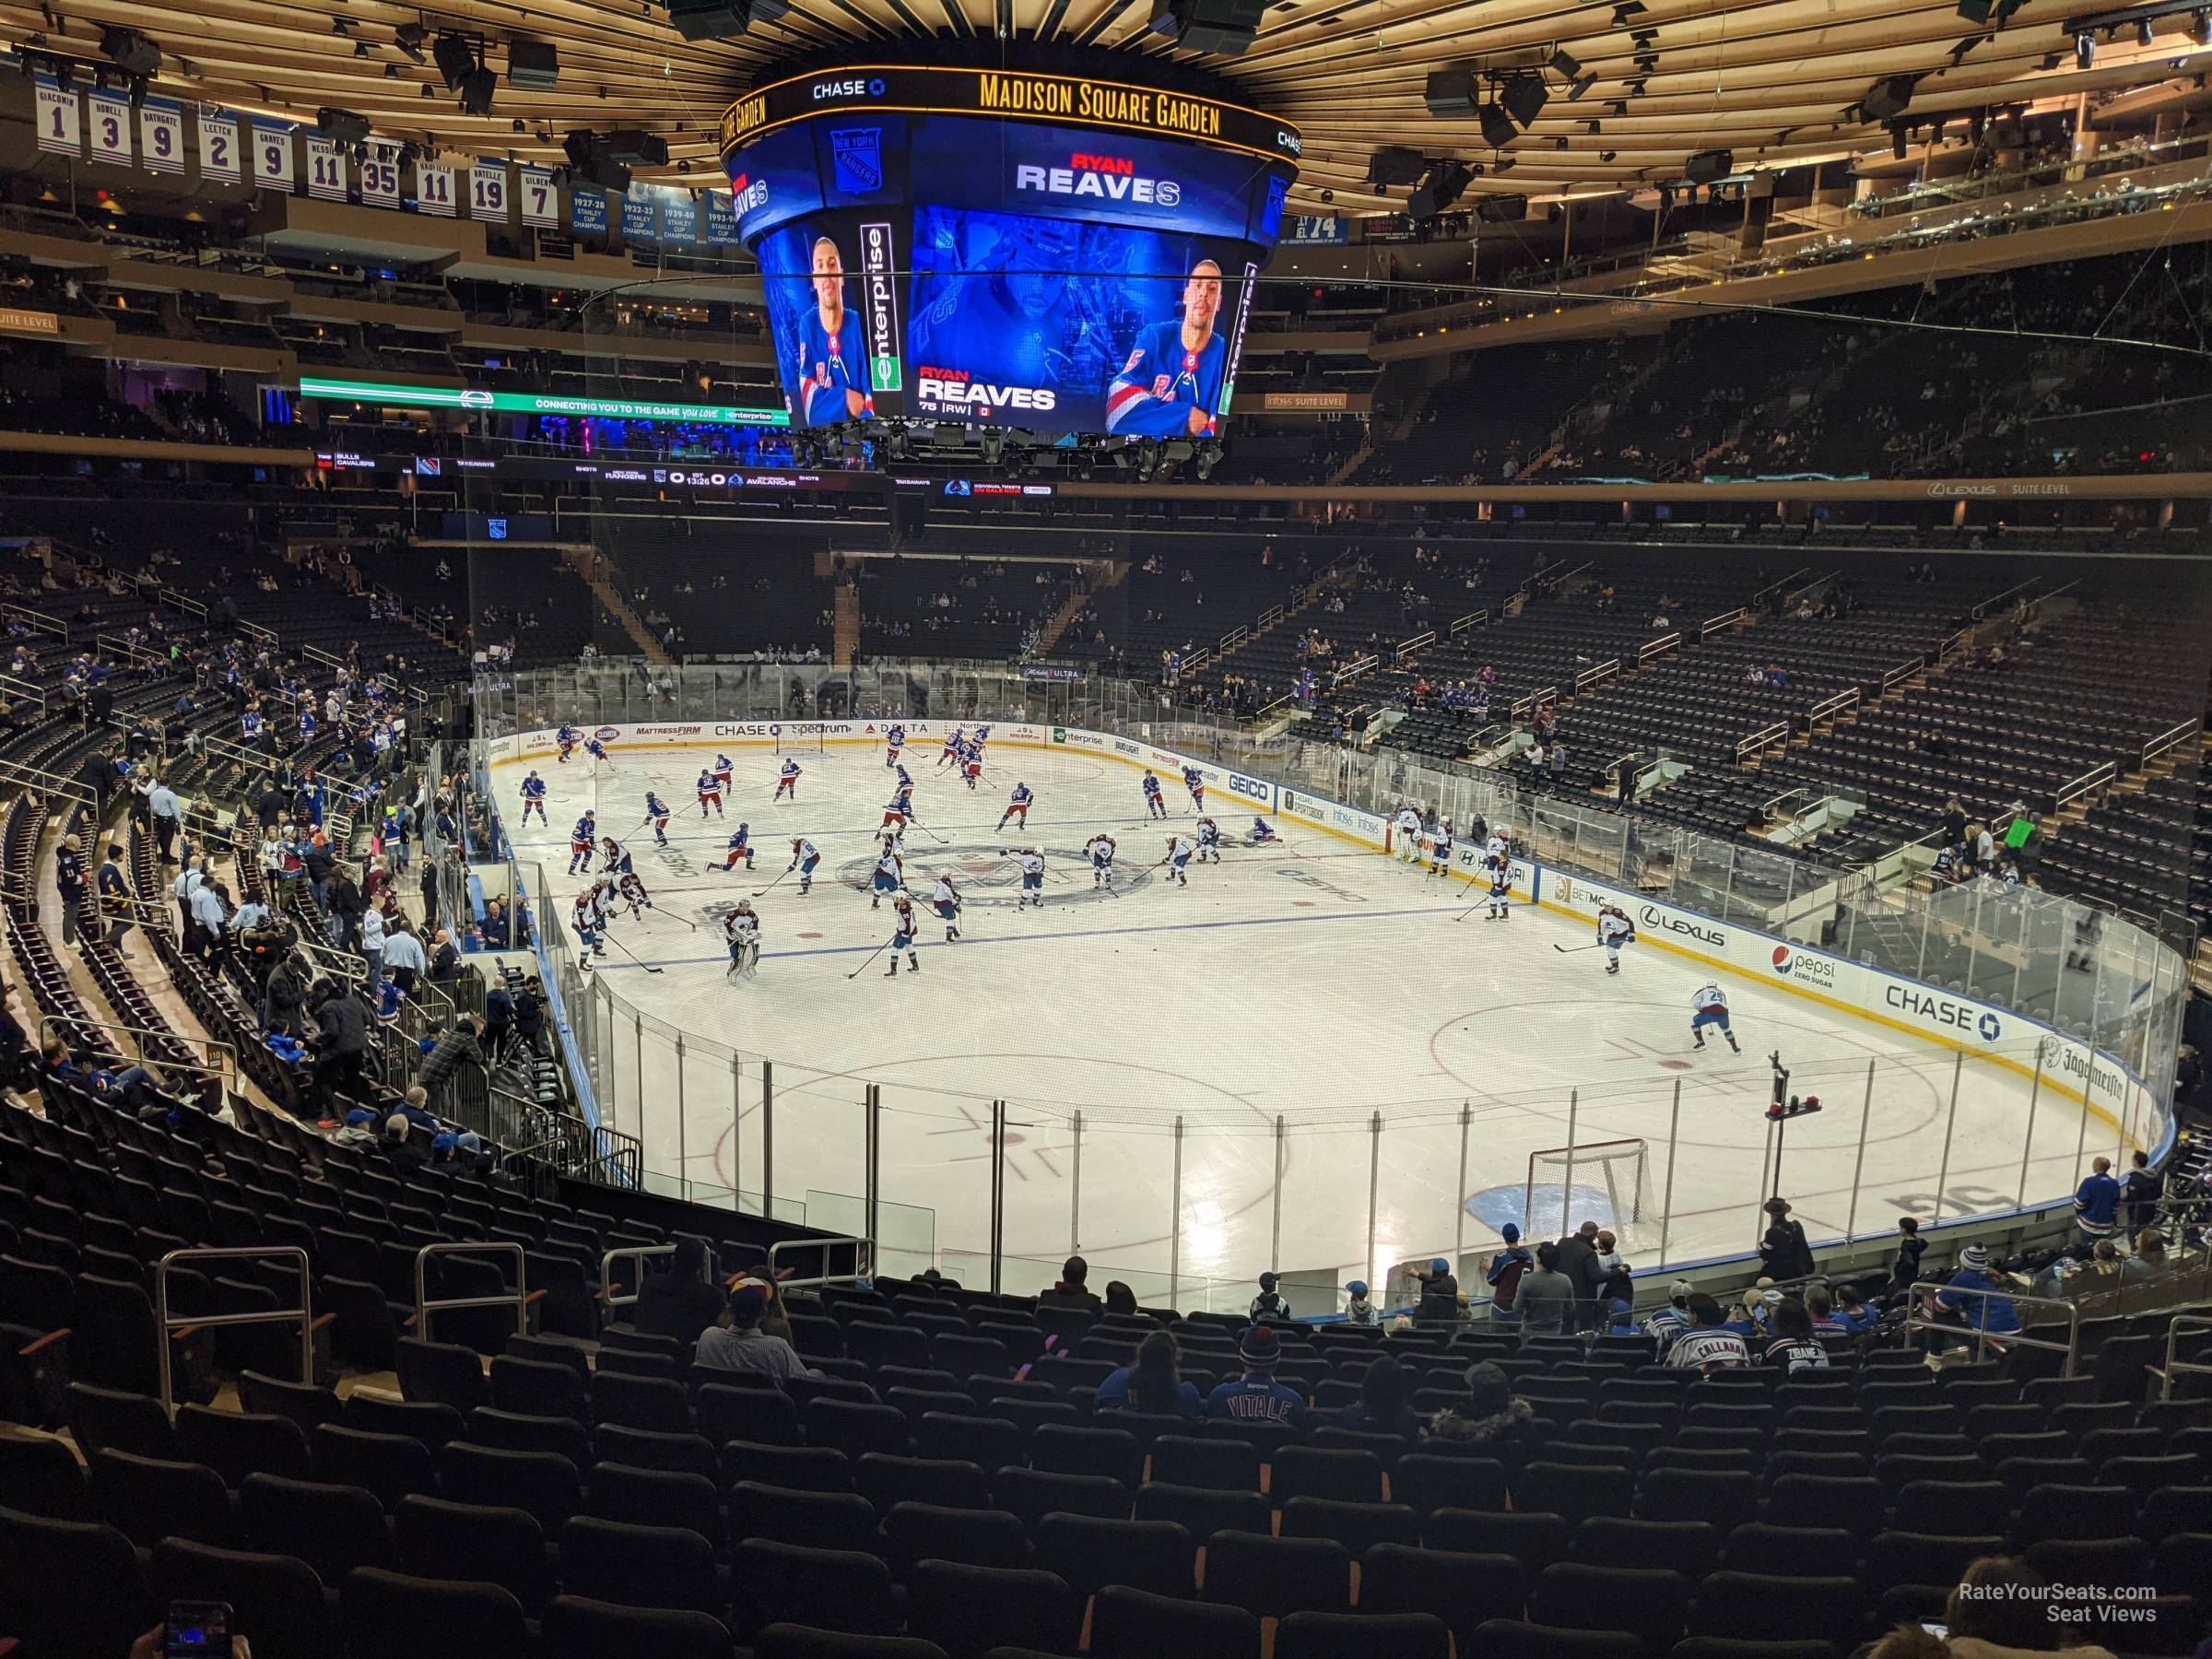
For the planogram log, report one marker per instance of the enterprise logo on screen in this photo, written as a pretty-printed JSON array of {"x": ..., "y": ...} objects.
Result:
[{"x": 1109, "y": 178}]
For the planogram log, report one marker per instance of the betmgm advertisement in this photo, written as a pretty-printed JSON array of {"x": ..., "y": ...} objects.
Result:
[{"x": 1006, "y": 273}]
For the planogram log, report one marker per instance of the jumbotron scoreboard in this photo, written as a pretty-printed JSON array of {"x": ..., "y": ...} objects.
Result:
[{"x": 1055, "y": 253}]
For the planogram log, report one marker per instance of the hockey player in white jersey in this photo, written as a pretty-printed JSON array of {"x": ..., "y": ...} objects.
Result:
[
  {"x": 1440, "y": 852},
  {"x": 1408, "y": 827},
  {"x": 946, "y": 901},
  {"x": 1709, "y": 1006},
  {"x": 1501, "y": 882},
  {"x": 1099, "y": 849},
  {"x": 805, "y": 856},
  {"x": 1614, "y": 930},
  {"x": 741, "y": 928},
  {"x": 1181, "y": 851},
  {"x": 631, "y": 892},
  {"x": 1031, "y": 863},
  {"x": 890, "y": 877},
  {"x": 902, "y": 938},
  {"x": 1209, "y": 840}
]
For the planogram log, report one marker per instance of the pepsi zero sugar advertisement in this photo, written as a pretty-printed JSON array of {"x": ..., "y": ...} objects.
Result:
[{"x": 1086, "y": 272}]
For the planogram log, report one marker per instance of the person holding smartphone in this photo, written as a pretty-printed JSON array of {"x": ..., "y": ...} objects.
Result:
[{"x": 194, "y": 1630}]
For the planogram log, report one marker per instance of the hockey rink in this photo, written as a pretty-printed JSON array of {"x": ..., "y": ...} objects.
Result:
[{"x": 1413, "y": 1049}]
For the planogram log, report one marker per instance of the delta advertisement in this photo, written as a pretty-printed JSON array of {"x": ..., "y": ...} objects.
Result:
[{"x": 1006, "y": 273}]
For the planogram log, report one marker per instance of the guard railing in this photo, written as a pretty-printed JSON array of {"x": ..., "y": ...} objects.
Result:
[
  {"x": 519, "y": 1299},
  {"x": 172, "y": 1325},
  {"x": 1991, "y": 1343}
]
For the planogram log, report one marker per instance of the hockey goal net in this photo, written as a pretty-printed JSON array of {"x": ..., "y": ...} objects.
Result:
[
  {"x": 1605, "y": 1182},
  {"x": 800, "y": 737}
]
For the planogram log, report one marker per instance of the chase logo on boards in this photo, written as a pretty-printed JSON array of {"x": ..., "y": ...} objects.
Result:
[
  {"x": 1652, "y": 917},
  {"x": 1805, "y": 968},
  {"x": 1945, "y": 1013}
]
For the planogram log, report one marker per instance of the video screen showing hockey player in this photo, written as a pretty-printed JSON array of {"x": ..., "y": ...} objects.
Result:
[{"x": 821, "y": 352}]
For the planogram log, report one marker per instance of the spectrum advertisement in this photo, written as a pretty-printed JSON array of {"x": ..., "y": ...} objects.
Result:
[{"x": 1031, "y": 273}]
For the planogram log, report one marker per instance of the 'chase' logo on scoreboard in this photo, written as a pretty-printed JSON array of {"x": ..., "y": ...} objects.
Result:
[
  {"x": 1107, "y": 178},
  {"x": 855, "y": 87}
]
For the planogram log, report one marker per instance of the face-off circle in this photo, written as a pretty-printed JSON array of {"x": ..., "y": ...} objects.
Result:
[{"x": 987, "y": 880}]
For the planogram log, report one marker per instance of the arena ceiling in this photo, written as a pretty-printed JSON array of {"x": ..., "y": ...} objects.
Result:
[{"x": 1772, "y": 81}]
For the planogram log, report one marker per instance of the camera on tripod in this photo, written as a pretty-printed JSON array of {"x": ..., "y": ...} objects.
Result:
[{"x": 1784, "y": 1104}]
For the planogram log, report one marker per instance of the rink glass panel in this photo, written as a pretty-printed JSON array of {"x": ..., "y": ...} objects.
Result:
[{"x": 1965, "y": 1132}]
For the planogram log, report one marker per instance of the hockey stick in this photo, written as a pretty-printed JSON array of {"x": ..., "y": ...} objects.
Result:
[
  {"x": 772, "y": 886},
  {"x": 608, "y": 935},
  {"x": 871, "y": 957},
  {"x": 1570, "y": 949},
  {"x": 925, "y": 830}
]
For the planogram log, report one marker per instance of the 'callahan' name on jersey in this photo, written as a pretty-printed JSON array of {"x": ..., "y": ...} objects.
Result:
[{"x": 1108, "y": 185}]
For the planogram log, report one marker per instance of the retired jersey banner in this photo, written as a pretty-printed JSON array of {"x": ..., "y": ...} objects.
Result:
[
  {"x": 680, "y": 216},
  {"x": 487, "y": 191},
  {"x": 640, "y": 222},
  {"x": 434, "y": 188},
  {"x": 161, "y": 135},
  {"x": 273, "y": 156},
  {"x": 108, "y": 115},
  {"x": 587, "y": 211},
  {"x": 219, "y": 145},
  {"x": 326, "y": 168},
  {"x": 59, "y": 134},
  {"x": 380, "y": 176},
  {"x": 540, "y": 196}
]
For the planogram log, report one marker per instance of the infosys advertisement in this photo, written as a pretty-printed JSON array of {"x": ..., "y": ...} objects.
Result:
[{"x": 1006, "y": 273}]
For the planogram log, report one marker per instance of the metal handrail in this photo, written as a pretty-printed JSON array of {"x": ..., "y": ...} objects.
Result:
[
  {"x": 38, "y": 622},
  {"x": 1468, "y": 623},
  {"x": 2175, "y": 1366},
  {"x": 2000, "y": 1340},
  {"x": 635, "y": 1253},
  {"x": 23, "y": 690},
  {"x": 36, "y": 777},
  {"x": 116, "y": 644},
  {"x": 304, "y": 1313},
  {"x": 228, "y": 1072},
  {"x": 1728, "y": 619},
  {"x": 860, "y": 1244},
  {"x": 519, "y": 1295}
]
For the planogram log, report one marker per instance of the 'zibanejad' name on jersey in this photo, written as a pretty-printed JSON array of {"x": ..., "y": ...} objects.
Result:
[
  {"x": 964, "y": 392},
  {"x": 1106, "y": 186}
]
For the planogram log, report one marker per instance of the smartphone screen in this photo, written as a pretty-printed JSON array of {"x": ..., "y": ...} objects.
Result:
[
  {"x": 1936, "y": 1630},
  {"x": 196, "y": 1630}
]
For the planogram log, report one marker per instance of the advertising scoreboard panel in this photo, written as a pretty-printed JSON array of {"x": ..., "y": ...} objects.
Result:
[{"x": 1045, "y": 252}]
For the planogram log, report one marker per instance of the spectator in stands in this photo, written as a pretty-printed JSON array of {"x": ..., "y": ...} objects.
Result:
[
  {"x": 455, "y": 1049},
  {"x": 494, "y": 926},
  {"x": 404, "y": 962},
  {"x": 341, "y": 1041},
  {"x": 680, "y": 1304},
  {"x": 69, "y": 877},
  {"x": 445, "y": 961},
  {"x": 1904, "y": 1273},
  {"x": 2141, "y": 1193},
  {"x": 18, "y": 1063},
  {"x": 115, "y": 894},
  {"x": 1071, "y": 1292},
  {"x": 737, "y": 1342},
  {"x": 2149, "y": 1261},
  {"x": 1783, "y": 1251},
  {"x": 346, "y": 906},
  {"x": 530, "y": 1015},
  {"x": 373, "y": 945},
  {"x": 1382, "y": 1407},
  {"x": 1504, "y": 1272},
  {"x": 1578, "y": 1261},
  {"x": 210, "y": 903},
  {"x": 402, "y": 1147},
  {"x": 2003, "y": 1608},
  {"x": 319, "y": 862},
  {"x": 1613, "y": 1281},
  {"x": 1151, "y": 1383},
  {"x": 1256, "y": 1396},
  {"x": 1671, "y": 1321},
  {"x": 1820, "y": 1308},
  {"x": 2097, "y": 1203},
  {"x": 1438, "y": 1303},
  {"x": 1970, "y": 1298},
  {"x": 284, "y": 998},
  {"x": 1270, "y": 1306},
  {"x": 1793, "y": 1348},
  {"x": 1547, "y": 1297},
  {"x": 1119, "y": 1299},
  {"x": 1490, "y": 1421},
  {"x": 1853, "y": 1311},
  {"x": 1706, "y": 1346}
]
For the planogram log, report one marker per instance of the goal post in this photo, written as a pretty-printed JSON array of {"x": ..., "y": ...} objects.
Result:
[
  {"x": 801, "y": 737},
  {"x": 1605, "y": 1182}
]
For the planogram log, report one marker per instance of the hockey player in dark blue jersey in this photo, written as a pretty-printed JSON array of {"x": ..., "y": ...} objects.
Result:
[
  {"x": 1018, "y": 806},
  {"x": 833, "y": 363},
  {"x": 583, "y": 841},
  {"x": 533, "y": 799},
  {"x": 657, "y": 814},
  {"x": 1170, "y": 384}
]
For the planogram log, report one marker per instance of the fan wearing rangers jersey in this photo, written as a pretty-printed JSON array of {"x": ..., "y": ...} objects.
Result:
[
  {"x": 1170, "y": 384},
  {"x": 832, "y": 363},
  {"x": 1709, "y": 1006}
]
